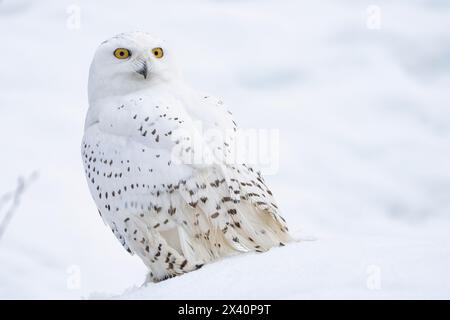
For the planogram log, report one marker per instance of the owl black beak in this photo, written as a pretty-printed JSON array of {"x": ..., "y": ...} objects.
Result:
[{"x": 143, "y": 70}]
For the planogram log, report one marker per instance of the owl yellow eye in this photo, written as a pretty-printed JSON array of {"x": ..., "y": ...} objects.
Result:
[
  {"x": 122, "y": 53},
  {"x": 158, "y": 52}
]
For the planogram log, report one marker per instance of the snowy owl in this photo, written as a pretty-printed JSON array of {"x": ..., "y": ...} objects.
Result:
[{"x": 164, "y": 204}]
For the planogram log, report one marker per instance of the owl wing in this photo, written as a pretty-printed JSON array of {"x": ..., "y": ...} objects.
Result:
[{"x": 246, "y": 205}]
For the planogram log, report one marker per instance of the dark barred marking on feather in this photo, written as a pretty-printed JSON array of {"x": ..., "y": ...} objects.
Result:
[{"x": 215, "y": 215}]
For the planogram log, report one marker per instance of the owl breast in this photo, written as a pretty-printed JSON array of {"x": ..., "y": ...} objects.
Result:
[{"x": 128, "y": 155}]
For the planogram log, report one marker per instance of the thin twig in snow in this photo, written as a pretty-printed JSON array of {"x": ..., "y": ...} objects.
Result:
[{"x": 14, "y": 197}]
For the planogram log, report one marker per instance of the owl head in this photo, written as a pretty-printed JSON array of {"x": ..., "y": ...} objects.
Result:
[{"x": 129, "y": 62}]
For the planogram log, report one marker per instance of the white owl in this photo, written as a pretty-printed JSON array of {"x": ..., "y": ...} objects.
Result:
[{"x": 176, "y": 215}]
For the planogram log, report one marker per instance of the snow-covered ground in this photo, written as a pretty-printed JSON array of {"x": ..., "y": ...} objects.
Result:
[{"x": 363, "y": 111}]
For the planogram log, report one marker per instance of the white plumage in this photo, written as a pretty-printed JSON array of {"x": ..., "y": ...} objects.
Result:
[{"x": 140, "y": 129}]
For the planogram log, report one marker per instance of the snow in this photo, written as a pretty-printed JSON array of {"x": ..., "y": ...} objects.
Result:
[{"x": 364, "y": 122}]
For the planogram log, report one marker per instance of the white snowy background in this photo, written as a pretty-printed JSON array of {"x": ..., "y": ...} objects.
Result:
[{"x": 363, "y": 111}]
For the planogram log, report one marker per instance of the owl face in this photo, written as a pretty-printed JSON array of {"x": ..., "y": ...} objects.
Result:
[{"x": 130, "y": 62}]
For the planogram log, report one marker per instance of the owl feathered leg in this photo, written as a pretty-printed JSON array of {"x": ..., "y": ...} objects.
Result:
[{"x": 163, "y": 260}]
